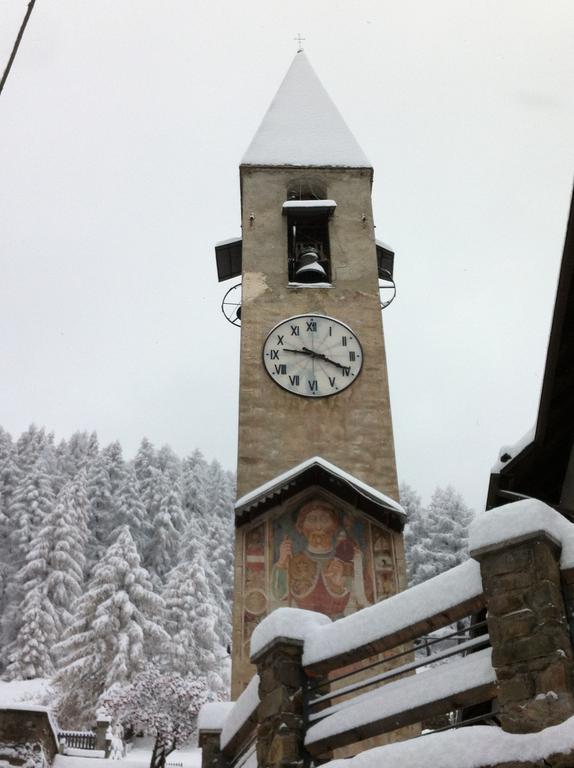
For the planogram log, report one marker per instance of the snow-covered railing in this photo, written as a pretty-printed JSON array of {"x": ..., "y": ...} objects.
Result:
[
  {"x": 383, "y": 685},
  {"x": 233, "y": 725},
  {"x": 78, "y": 739},
  {"x": 326, "y": 685}
]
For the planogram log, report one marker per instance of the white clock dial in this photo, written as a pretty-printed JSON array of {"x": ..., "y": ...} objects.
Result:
[{"x": 312, "y": 355}]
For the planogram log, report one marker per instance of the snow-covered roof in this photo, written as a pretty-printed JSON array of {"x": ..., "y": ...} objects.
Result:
[
  {"x": 284, "y": 482},
  {"x": 509, "y": 452},
  {"x": 305, "y": 204},
  {"x": 303, "y": 126},
  {"x": 384, "y": 245},
  {"x": 228, "y": 241}
]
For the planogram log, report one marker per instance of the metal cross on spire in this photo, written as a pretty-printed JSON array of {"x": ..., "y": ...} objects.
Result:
[{"x": 299, "y": 40}]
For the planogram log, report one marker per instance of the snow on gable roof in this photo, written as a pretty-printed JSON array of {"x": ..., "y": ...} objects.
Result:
[
  {"x": 319, "y": 469},
  {"x": 509, "y": 452},
  {"x": 303, "y": 126}
]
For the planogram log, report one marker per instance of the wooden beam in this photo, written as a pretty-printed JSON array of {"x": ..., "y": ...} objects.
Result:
[
  {"x": 406, "y": 635},
  {"x": 468, "y": 698}
]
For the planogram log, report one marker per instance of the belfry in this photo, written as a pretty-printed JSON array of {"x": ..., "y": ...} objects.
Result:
[{"x": 318, "y": 521}]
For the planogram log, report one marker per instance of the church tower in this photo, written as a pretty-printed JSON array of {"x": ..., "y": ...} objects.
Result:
[{"x": 318, "y": 523}]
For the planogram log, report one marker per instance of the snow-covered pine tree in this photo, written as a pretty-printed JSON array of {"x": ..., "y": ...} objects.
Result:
[
  {"x": 101, "y": 522},
  {"x": 32, "y": 502},
  {"x": 414, "y": 531},
  {"x": 51, "y": 580},
  {"x": 190, "y": 583},
  {"x": 443, "y": 537},
  {"x": 114, "y": 634},
  {"x": 29, "y": 655},
  {"x": 115, "y": 465},
  {"x": 166, "y": 528},
  {"x": 145, "y": 463},
  {"x": 169, "y": 463},
  {"x": 220, "y": 519},
  {"x": 194, "y": 471},
  {"x": 77, "y": 453},
  {"x": 130, "y": 511},
  {"x": 30, "y": 446},
  {"x": 10, "y": 477}
]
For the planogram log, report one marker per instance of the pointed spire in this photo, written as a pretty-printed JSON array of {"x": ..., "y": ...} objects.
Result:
[{"x": 303, "y": 126}]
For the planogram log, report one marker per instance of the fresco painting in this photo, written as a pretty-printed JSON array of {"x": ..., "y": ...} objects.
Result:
[
  {"x": 255, "y": 587},
  {"x": 316, "y": 557}
]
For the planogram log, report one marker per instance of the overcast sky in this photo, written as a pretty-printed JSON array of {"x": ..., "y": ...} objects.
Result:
[{"x": 122, "y": 126}]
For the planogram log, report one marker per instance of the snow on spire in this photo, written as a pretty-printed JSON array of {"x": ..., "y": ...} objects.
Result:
[{"x": 303, "y": 126}]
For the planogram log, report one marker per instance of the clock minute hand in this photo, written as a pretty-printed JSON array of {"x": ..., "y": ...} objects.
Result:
[
  {"x": 320, "y": 356},
  {"x": 303, "y": 351}
]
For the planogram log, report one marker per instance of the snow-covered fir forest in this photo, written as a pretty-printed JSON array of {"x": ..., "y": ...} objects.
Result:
[{"x": 116, "y": 575}]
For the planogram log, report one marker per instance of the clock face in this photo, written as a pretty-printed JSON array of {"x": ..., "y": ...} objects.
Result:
[{"x": 312, "y": 355}]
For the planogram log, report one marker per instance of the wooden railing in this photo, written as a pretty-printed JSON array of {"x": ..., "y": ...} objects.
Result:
[{"x": 402, "y": 694}]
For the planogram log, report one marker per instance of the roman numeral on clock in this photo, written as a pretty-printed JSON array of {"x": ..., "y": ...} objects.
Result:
[
  {"x": 274, "y": 354},
  {"x": 294, "y": 380},
  {"x": 294, "y": 330},
  {"x": 281, "y": 368},
  {"x": 346, "y": 371},
  {"x": 311, "y": 325},
  {"x": 313, "y": 385},
  {"x": 332, "y": 380}
]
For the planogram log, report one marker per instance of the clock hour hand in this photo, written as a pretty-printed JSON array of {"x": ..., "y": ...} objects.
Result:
[{"x": 320, "y": 356}]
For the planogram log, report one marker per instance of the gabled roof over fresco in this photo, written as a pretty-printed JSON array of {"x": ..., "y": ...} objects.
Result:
[{"x": 319, "y": 472}]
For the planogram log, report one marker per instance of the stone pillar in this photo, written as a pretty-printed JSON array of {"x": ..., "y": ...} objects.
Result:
[
  {"x": 531, "y": 647},
  {"x": 281, "y": 733},
  {"x": 103, "y": 739},
  {"x": 211, "y": 754}
]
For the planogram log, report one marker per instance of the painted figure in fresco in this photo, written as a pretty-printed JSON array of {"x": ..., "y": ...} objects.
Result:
[{"x": 327, "y": 574}]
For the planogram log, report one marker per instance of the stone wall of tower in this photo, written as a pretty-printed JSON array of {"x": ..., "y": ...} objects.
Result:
[{"x": 277, "y": 429}]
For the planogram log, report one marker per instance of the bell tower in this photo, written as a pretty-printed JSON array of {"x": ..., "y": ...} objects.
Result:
[{"x": 318, "y": 523}]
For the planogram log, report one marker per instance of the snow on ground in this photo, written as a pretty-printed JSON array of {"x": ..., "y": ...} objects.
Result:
[
  {"x": 36, "y": 691},
  {"x": 472, "y": 747},
  {"x": 139, "y": 756}
]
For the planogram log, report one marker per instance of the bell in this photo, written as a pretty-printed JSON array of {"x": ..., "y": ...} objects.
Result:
[{"x": 308, "y": 268}]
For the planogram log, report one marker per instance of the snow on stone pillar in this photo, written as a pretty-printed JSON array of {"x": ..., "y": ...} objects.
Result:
[
  {"x": 277, "y": 651},
  {"x": 209, "y": 725},
  {"x": 103, "y": 732},
  {"x": 518, "y": 547}
]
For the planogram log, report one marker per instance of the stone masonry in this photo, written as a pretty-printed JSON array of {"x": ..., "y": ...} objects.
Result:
[
  {"x": 280, "y": 738},
  {"x": 211, "y": 755},
  {"x": 532, "y": 651}
]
